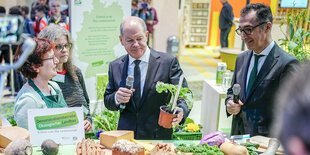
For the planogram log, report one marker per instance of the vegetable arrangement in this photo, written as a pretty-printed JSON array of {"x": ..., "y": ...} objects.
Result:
[
  {"x": 203, "y": 149},
  {"x": 251, "y": 148}
]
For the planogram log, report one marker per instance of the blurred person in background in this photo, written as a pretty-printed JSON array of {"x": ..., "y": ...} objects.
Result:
[
  {"x": 41, "y": 20},
  {"x": 37, "y": 3},
  {"x": 151, "y": 22},
  {"x": 226, "y": 22},
  {"x": 39, "y": 92},
  {"x": 69, "y": 77},
  {"x": 292, "y": 115},
  {"x": 28, "y": 28},
  {"x": 55, "y": 16}
]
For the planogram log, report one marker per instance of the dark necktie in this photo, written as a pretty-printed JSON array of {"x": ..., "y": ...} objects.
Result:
[
  {"x": 137, "y": 82},
  {"x": 253, "y": 74}
]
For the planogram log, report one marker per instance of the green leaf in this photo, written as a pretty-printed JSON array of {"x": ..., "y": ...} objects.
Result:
[
  {"x": 188, "y": 120},
  {"x": 292, "y": 45}
]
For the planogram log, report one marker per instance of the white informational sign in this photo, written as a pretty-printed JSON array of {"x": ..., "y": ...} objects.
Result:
[
  {"x": 63, "y": 125},
  {"x": 95, "y": 30}
]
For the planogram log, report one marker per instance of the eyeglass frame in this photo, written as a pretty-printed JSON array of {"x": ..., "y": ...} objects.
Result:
[
  {"x": 54, "y": 58},
  {"x": 251, "y": 28},
  {"x": 67, "y": 45}
]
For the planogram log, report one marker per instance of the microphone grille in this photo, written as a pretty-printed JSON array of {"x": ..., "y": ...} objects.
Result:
[
  {"x": 130, "y": 79},
  {"x": 236, "y": 89}
]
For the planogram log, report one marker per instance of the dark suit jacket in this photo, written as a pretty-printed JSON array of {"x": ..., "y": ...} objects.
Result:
[
  {"x": 143, "y": 118},
  {"x": 255, "y": 116},
  {"x": 226, "y": 16}
]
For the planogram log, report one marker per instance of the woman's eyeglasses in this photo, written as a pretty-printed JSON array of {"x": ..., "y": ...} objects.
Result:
[
  {"x": 60, "y": 47},
  {"x": 54, "y": 59}
]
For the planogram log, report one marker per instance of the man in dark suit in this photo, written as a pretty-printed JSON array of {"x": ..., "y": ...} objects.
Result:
[
  {"x": 226, "y": 21},
  {"x": 141, "y": 111},
  {"x": 259, "y": 71}
]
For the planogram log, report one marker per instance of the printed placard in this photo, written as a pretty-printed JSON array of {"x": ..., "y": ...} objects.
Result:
[{"x": 63, "y": 125}]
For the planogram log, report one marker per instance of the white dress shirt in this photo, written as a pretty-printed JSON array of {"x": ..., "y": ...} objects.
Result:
[{"x": 261, "y": 61}]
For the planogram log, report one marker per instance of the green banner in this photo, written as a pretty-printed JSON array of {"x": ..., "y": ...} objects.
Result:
[{"x": 56, "y": 121}]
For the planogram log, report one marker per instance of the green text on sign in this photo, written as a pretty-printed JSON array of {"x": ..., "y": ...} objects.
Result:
[{"x": 56, "y": 121}]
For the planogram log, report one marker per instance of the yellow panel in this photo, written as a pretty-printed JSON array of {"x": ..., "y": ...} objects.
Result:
[
  {"x": 214, "y": 28},
  {"x": 231, "y": 37},
  {"x": 273, "y": 7}
]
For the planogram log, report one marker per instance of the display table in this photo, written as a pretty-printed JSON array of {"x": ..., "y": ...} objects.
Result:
[
  {"x": 213, "y": 110},
  {"x": 70, "y": 149}
]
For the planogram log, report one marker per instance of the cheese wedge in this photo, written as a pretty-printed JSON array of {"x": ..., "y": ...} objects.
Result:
[
  {"x": 108, "y": 138},
  {"x": 147, "y": 146},
  {"x": 11, "y": 133}
]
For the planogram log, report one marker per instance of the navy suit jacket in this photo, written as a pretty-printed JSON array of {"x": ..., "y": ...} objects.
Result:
[
  {"x": 143, "y": 118},
  {"x": 256, "y": 114},
  {"x": 226, "y": 16}
]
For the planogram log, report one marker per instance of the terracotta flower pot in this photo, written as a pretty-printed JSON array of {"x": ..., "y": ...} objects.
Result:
[{"x": 165, "y": 118}]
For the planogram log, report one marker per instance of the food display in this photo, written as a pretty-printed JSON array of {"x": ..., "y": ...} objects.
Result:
[
  {"x": 126, "y": 147},
  {"x": 19, "y": 146},
  {"x": 197, "y": 149},
  {"x": 108, "y": 138},
  {"x": 9, "y": 134},
  {"x": 49, "y": 147},
  {"x": 163, "y": 148},
  {"x": 89, "y": 147},
  {"x": 233, "y": 149}
]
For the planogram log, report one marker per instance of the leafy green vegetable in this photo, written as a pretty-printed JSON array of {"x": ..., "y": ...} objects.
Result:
[
  {"x": 203, "y": 149},
  {"x": 251, "y": 147},
  {"x": 107, "y": 120},
  {"x": 165, "y": 87}
]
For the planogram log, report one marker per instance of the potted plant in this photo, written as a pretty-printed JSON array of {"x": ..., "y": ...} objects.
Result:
[
  {"x": 297, "y": 39},
  {"x": 168, "y": 112}
]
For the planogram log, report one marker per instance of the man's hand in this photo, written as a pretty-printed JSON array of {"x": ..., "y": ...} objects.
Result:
[
  {"x": 233, "y": 108},
  {"x": 123, "y": 95},
  {"x": 87, "y": 126},
  {"x": 179, "y": 117}
]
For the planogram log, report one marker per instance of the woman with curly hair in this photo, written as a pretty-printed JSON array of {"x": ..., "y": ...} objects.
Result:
[
  {"x": 69, "y": 77},
  {"x": 39, "y": 92}
]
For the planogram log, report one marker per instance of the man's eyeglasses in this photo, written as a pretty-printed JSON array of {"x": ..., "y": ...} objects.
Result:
[
  {"x": 60, "y": 47},
  {"x": 249, "y": 29},
  {"x": 54, "y": 58}
]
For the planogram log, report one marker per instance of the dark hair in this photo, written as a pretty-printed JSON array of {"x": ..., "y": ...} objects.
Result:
[
  {"x": 15, "y": 10},
  {"x": 35, "y": 59},
  {"x": 263, "y": 12},
  {"x": 2, "y": 10},
  {"x": 25, "y": 9},
  {"x": 40, "y": 8},
  {"x": 293, "y": 108}
]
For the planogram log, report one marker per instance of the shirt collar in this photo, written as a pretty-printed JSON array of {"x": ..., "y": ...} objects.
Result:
[
  {"x": 267, "y": 50},
  {"x": 144, "y": 58}
]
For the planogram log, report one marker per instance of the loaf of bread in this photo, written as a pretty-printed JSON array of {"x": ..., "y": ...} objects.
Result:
[{"x": 125, "y": 147}]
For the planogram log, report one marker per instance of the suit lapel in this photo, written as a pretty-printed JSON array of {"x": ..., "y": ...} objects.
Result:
[
  {"x": 270, "y": 61},
  {"x": 150, "y": 75}
]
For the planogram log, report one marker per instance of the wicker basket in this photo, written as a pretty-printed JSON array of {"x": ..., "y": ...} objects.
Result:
[{"x": 187, "y": 136}]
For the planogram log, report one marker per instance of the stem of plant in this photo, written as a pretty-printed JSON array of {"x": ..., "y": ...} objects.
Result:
[{"x": 176, "y": 95}]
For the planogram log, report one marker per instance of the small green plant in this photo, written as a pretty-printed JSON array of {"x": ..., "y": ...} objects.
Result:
[
  {"x": 297, "y": 39},
  {"x": 184, "y": 93}
]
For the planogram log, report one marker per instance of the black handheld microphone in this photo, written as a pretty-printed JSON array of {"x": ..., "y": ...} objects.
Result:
[
  {"x": 129, "y": 82},
  {"x": 236, "y": 90}
]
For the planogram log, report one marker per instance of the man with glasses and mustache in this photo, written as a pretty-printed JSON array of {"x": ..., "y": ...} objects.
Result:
[{"x": 259, "y": 71}]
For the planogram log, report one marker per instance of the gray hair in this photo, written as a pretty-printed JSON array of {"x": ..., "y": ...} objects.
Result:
[
  {"x": 52, "y": 32},
  {"x": 139, "y": 20},
  {"x": 51, "y": 1}
]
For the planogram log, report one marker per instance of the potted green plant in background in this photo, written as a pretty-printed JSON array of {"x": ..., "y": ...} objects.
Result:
[
  {"x": 297, "y": 39},
  {"x": 168, "y": 112}
]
